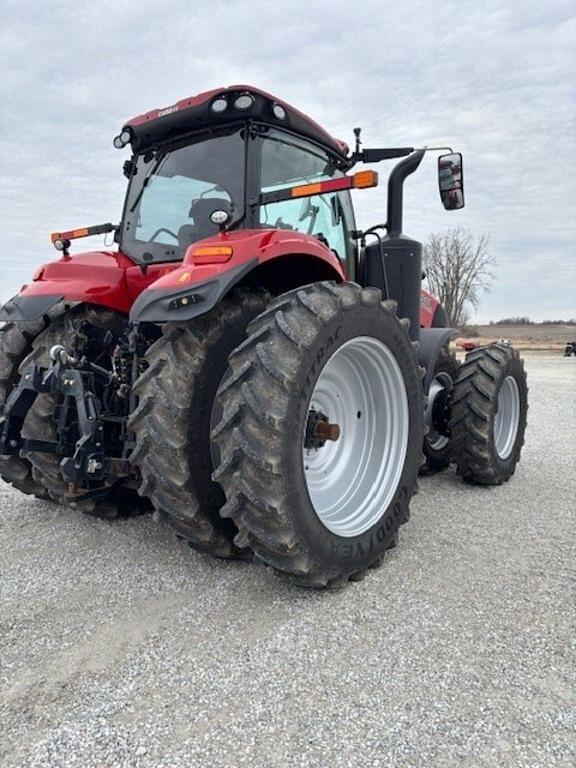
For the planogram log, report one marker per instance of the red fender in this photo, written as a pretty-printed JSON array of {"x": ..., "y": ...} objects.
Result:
[
  {"x": 193, "y": 289},
  {"x": 249, "y": 245}
]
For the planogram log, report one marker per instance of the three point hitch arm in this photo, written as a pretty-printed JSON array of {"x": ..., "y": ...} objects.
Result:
[{"x": 81, "y": 426}]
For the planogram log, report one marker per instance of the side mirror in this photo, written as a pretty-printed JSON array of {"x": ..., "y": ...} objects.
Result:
[{"x": 451, "y": 181}]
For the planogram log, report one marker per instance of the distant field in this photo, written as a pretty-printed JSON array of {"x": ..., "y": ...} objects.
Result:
[{"x": 535, "y": 337}]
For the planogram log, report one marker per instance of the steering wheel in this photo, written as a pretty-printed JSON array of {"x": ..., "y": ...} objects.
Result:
[{"x": 162, "y": 229}]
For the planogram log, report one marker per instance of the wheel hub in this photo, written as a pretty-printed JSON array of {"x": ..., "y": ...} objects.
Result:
[
  {"x": 319, "y": 430},
  {"x": 437, "y": 414}
]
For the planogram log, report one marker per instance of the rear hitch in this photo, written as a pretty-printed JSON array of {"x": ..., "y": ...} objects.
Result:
[{"x": 80, "y": 427}]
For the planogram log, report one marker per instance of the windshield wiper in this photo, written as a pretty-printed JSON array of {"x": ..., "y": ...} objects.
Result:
[{"x": 159, "y": 160}]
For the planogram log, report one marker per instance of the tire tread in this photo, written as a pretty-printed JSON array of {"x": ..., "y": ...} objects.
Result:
[
  {"x": 471, "y": 419},
  {"x": 254, "y": 423}
]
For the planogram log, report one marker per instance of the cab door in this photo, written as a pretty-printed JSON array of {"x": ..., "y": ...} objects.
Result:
[{"x": 286, "y": 161}]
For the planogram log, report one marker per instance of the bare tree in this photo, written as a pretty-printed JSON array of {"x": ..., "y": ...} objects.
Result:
[{"x": 459, "y": 268}]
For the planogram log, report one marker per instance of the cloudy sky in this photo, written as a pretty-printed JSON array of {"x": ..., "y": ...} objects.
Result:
[{"x": 493, "y": 79}]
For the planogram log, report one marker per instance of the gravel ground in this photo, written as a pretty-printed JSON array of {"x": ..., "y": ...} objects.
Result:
[{"x": 121, "y": 647}]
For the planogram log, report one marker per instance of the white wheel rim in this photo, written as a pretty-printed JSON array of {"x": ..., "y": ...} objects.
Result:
[
  {"x": 352, "y": 480},
  {"x": 507, "y": 417}
]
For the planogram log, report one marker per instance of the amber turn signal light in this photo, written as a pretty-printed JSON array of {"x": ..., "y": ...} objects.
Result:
[
  {"x": 212, "y": 254},
  {"x": 365, "y": 179},
  {"x": 360, "y": 180}
]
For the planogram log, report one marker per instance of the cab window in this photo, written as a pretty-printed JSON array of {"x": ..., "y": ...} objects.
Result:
[
  {"x": 166, "y": 204},
  {"x": 288, "y": 161},
  {"x": 173, "y": 193}
]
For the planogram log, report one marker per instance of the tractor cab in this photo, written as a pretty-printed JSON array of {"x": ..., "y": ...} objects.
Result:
[
  {"x": 238, "y": 161},
  {"x": 220, "y": 162}
]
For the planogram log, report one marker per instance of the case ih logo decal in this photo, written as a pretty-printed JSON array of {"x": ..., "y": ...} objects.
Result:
[{"x": 167, "y": 111}]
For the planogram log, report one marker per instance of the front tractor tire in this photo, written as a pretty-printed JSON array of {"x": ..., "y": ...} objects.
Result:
[
  {"x": 489, "y": 407},
  {"x": 321, "y": 433},
  {"x": 172, "y": 422}
]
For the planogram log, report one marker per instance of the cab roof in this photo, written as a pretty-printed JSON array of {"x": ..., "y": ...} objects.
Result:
[{"x": 196, "y": 112}]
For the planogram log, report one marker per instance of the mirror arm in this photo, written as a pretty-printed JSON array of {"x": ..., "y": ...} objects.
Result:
[
  {"x": 435, "y": 149},
  {"x": 376, "y": 155}
]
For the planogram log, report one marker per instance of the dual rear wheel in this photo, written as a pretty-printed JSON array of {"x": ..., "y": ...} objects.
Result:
[
  {"x": 476, "y": 414},
  {"x": 317, "y": 428},
  {"x": 16, "y": 340},
  {"x": 489, "y": 406},
  {"x": 291, "y": 430}
]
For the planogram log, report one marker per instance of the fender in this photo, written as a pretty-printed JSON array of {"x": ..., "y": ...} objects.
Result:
[
  {"x": 431, "y": 342},
  {"x": 109, "y": 279},
  {"x": 193, "y": 289}
]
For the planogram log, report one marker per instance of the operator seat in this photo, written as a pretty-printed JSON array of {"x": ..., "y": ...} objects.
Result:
[{"x": 202, "y": 227}]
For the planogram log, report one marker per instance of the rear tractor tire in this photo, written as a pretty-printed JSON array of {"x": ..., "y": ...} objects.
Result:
[
  {"x": 174, "y": 415},
  {"x": 321, "y": 433},
  {"x": 489, "y": 408},
  {"x": 15, "y": 344}
]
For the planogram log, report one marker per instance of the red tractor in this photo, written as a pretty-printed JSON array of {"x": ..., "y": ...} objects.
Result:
[{"x": 246, "y": 361}]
